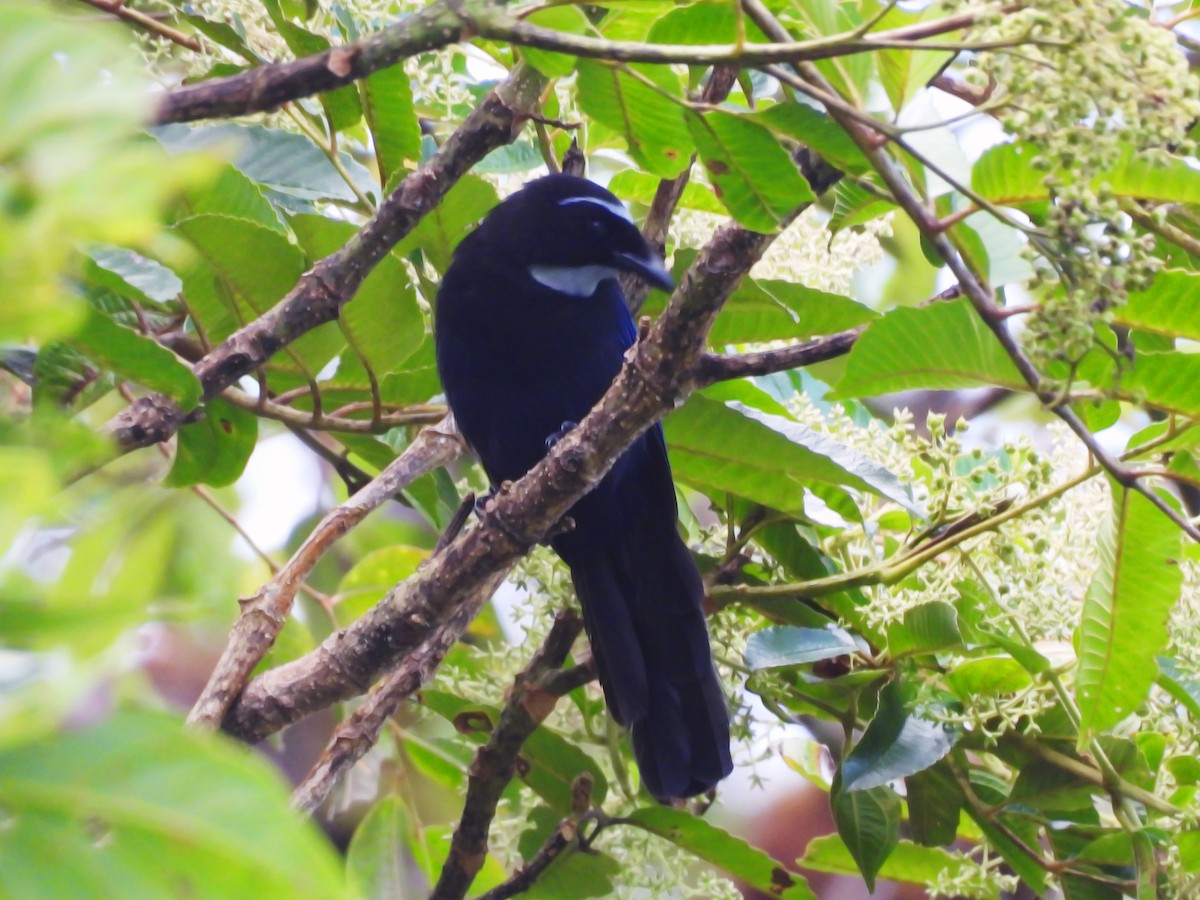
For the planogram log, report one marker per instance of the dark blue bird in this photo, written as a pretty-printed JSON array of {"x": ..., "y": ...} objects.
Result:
[{"x": 531, "y": 329}]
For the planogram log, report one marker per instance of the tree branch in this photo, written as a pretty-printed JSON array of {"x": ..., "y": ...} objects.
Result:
[
  {"x": 323, "y": 290},
  {"x": 359, "y": 733},
  {"x": 659, "y": 371},
  {"x": 496, "y": 761},
  {"x": 449, "y": 21},
  {"x": 263, "y": 615}
]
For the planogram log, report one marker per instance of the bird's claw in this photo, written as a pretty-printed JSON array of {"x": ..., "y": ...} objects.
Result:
[{"x": 562, "y": 432}]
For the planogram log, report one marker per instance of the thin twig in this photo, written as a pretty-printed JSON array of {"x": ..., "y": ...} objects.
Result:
[
  {"x": 496, "y": 761},
  {"x": 421, "y": 414},
  {"x": 263, "y": 615},
  {"x": 148, "y": 23}
]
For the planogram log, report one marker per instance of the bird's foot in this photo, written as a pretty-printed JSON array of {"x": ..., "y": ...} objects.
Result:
[
  {"x": 560, "y": 434},
  {"x": 481, "y": 504}
]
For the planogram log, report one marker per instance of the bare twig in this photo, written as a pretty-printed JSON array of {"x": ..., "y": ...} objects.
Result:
[
  {"x": 147, "y": 23},
  {"x": 422, "y": 414},
  {"x": 263, "y": 614},
  {"x": 496, "y": 761},
  {"x": 714, "y": 367}
]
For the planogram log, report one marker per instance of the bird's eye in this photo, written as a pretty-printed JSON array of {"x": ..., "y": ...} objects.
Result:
[{"x": 595, "y": 228}]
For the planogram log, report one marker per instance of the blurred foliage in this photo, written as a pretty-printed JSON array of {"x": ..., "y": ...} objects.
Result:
[{"x": 1003, "y": 642}]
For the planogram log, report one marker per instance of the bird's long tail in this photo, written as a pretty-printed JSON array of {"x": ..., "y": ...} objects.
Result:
[{"x": 641, "y": 602}]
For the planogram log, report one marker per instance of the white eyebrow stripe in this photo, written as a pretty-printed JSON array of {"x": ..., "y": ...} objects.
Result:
[{"x": 617, "y": 208}]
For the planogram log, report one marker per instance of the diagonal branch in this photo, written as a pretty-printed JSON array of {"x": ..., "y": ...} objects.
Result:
[
  {"x": 659, "y": 372},
  {"x": 323, "y": 290},
  {"x": 262, "y": 616}
]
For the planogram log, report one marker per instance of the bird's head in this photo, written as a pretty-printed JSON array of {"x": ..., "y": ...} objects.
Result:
[{"x": 570, "y": 234}]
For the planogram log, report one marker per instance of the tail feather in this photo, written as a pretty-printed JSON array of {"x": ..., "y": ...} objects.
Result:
[{"x": 641, "y": 602}]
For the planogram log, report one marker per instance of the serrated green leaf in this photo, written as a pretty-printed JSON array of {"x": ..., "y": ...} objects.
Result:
[
  {"x": 854, "y": 205},
  {"x": 705, "y": 23},
  {"x": 942, "y": 346},
  {"x": 908, "y": 862},
  {"x": 377, "y": 861},
  {"x": 383, "y": 320},
  {"x": 786, "y": 645},
  {"x": 988, "y": 675},
  {"x": 137, "y": 358},
  {"x": 1123, "y": 626},
  {"x": 285, "y": 163},
  {"x": 868, "y": 824},
  {"x": 751, "y": 173},
  {"x": 554, "y": 762},
  {"x": 726, "y": 852},
  {"x": 766, "y": 310},
  {"x": 924, "y": 629},
  {"x": 568, "y": 20},
  {"x": 1005, "y": 175},
  {"x": 254, "y": 268},
  {"x": 639, "y": 187},
  {"x": 439, "y": 232},
  {"x": 653, "y": 125},
  {"x": 122, "y": 798},
  {"x": 132, "y": 275},
  {"x": 1167, "y": 307},
  {"x": 221, "y": 33},
  {"x": 215, "y": 449},
  {"x": 1167, "y": 381},
  {"x": 817, "y": 131},
  {"x": 232, "y": 193},
  {"x": 896, "y": 744},
  {"x": 387, "y": 100}
]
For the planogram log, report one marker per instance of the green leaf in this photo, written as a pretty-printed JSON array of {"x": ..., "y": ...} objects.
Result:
[
  {"x": 1167, "y": 307},
  {"x": 554, "y": 762},
  {"x": 704, "y": 23},
  {"x": 215, "y": 449},
  {"x": 387, "y": 100},
  {"x": 133, "y": 276},
  {"x": 232, "y": 193},
  {"x": 814, "y": 129},
  {"x": 220, "y": 33},
  {"x": 896, "y": 744},
  {"x": 122, "y": 801},
  {"x": 766, "y": 310},
  {"x": 943, "y": 346},
  {"x": 908, "y": 862},
  {"x": 248, "y": 269},
  {"x": 439, "y": 232},
  {"x": 382, "y": 321},
  {"x": 568, "y": 20},
  {"x": 723, "y": 850},
  {"x": 652, "y": 124},
  {"x": 787, "y": 645},
  {"x": 854, "y": 205},
  {"x": 751, "y": 173},
  {"x": 925, "y": 629},
  {"x": 377, "y": 861},
  {"x": 285, "y": 163},
  {"x": 341, "y": 105},
  {"x": 137, "y": 358},
  {"x": 1005, "y": 175},
  {"x": 1124, "y": 621},
  {"x": 1167, "y": 381},
  {"x": 1013, "y": 853},
  {"x": 934, "y": 803},
  {"x": 576, "y": 874},
  {"x": 868, "y": 823},
  {"x": 372, "y": 577},
  {"x": 639, "y": 187},
  {"x": 988, "y": 675}
]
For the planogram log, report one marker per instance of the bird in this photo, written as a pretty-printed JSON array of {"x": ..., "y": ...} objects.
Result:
[{"x": 530, "y": 329}]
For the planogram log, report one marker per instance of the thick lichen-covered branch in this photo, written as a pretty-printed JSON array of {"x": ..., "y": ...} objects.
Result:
[{"x": 322, "y": 291}]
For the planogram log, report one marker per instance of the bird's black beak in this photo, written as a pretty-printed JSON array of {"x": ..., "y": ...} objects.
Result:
[{"x": 649, "y": 266}]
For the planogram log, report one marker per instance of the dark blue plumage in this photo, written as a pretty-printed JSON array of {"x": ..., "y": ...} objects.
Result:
[{"x": 531, "y": 328}]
